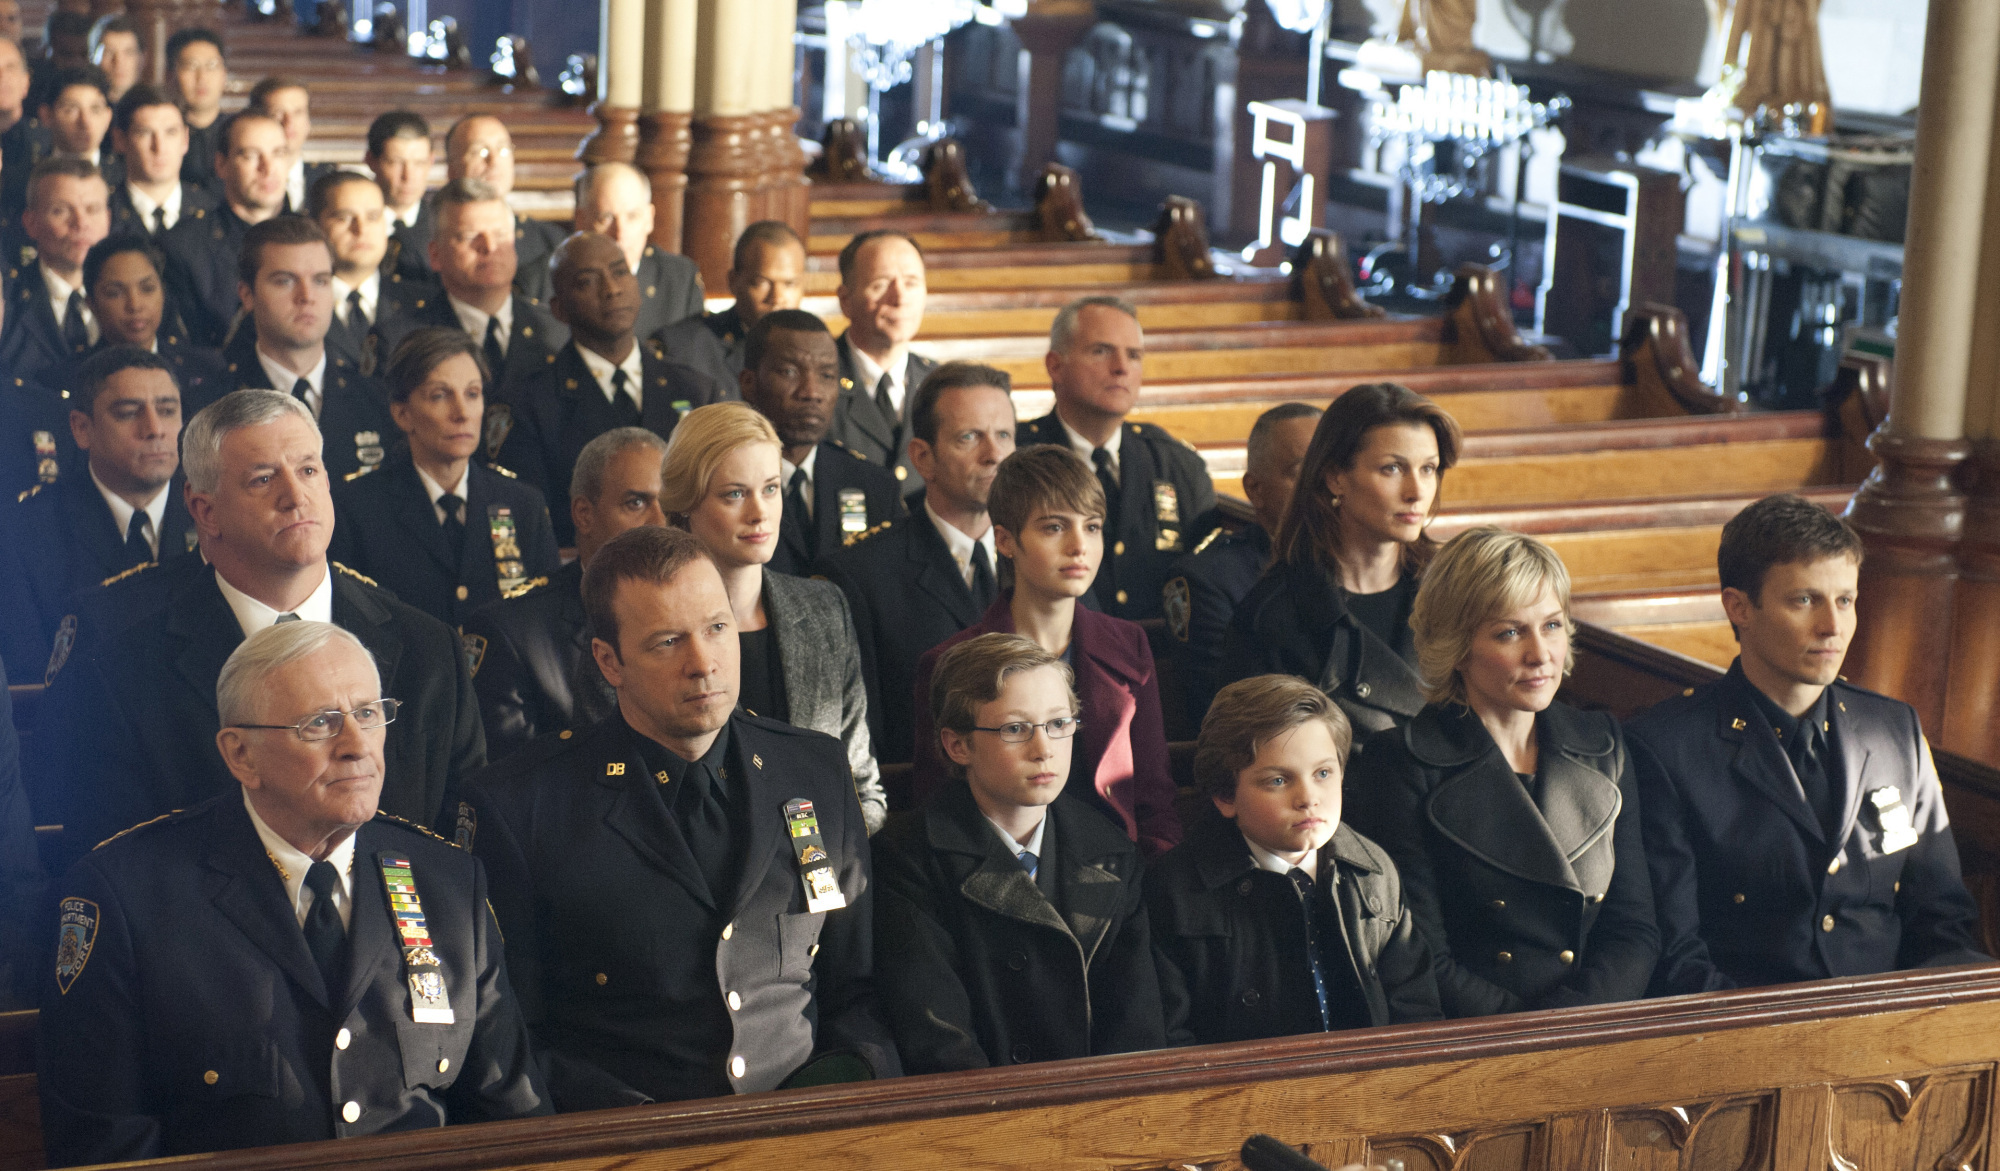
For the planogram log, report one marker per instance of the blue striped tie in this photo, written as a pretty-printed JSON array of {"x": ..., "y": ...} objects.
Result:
[{"x": 1028, "y": 861}]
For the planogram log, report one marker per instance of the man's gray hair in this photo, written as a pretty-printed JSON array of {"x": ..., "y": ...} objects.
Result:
[
  {"x": 1260, "y": 432},
  {"x": 586, "y": 479},
  {"x": 587, "y": 183},
  {"x": 250, "y": 667},
  {"x": 459, "y": 192},
  {"x": 1063, "y": 331},
  {"x": 201, "y": 441}
]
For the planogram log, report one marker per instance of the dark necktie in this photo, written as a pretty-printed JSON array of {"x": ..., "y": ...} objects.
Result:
[
  {"x": 136, "y": 547},
  {"x": 798, "y": 518},
  {"x": 1808, "y": 755},
  {"x": 159, "y": 221},
  {"x": 704, "y": 822},
  {"x": 326, "y": 938},
  {"x": 884, "y": 401},
  {"x": 1308, "y": 899},
  {"x": 76, "y": 335},
  {"x": 357, "y": 318},
  {"x": 287, "y": 616},
  {"x": 454, "y": 527},
  {"x": 1028, "y": 863},
  {"x": 983, "y": 587},
  {"x": 496, "y": 355},
  {"x": 622, "y": 402},
  {"x": 302, "y": 391},
  {"x": 1102, "y": 460}
]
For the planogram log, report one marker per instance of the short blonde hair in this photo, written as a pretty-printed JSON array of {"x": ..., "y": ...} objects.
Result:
[
  {"x": 1480, "y": 574},
  {"x": 699, "y": 444},
  {"x": 1247, "y": 715},
  {"x": 973, "y": 672}
]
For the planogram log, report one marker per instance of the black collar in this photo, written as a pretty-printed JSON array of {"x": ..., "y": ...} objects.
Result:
[
  {"x": 1785, "y": 724},
  {"x": 661, "y": 759}
]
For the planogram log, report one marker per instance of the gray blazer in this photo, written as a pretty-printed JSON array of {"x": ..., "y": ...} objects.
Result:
[{"x": 821, "y": 660}]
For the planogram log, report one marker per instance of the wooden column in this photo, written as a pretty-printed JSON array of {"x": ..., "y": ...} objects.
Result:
[
  {"x": 667, "y": 99},
  {"x": 722, "y": 164},
  {"x": 1909, "y": 511},
  {"x": 155, "y": 21},
  {"x": 791, "y": 190},
  {"x": 1048, "y": 32},
  {"x": 621, "y": 61}
]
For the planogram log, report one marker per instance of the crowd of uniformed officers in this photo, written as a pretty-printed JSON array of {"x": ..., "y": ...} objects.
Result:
[{"x": 480, "y": 683}]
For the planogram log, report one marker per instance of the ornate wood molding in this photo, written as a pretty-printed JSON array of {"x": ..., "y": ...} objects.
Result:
[
  {"x": 789, "y": 163},
  {"x": 1323, "y": 281},
  {"x": 722, "y": 181},
  {"x": 616, "y": 139},
  {"x": 1180, "y": 241},
  {"x": 1972, "y": 707},
  {"x": 1660, "y": 361},
  {"x": 1480, "y": 323},
  {"x": 664, "y": 139}
]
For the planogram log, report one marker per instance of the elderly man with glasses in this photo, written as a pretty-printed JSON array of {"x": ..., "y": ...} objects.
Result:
[{"x": 279, "y": 963}]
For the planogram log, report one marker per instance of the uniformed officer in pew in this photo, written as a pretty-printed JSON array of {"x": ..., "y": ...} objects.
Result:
[
  {"x": 349, "y": 208},
  {"x": 883, "y": 288},
  {"x": 615, "y": 200},
  {"x": 202, "y": 248},
  {"x": 479, "y": 146},
  {"x": 279, "y": 963},
  {"x": 125, "y": 278},
  {"x": 1795, "y": 827},
  {"x": 767, "y": 272},
  {"x": 530, "y": 651},
  {"x": 685, "y": 889},
  {"x": 1156, "y": 487}
]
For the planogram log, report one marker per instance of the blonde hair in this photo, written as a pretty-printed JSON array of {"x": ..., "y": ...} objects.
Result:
[
  {"x": 1480, "y": 574},
  {"x": 973, "y": 672},
  {"x": 1250, "y": 713},
  {"x": 699, "y": 444}
]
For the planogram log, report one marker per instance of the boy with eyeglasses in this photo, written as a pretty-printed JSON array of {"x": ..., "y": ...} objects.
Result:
[{"x": 1009, "y": 923}]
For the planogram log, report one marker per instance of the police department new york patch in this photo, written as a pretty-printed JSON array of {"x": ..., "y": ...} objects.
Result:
[
  {"x": 59, "y": 654},
  {"x": 78, "y": 935}
]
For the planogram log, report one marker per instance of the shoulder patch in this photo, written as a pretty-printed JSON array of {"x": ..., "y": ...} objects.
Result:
[
  {"x": 475, "y": 652},
  {"x": 499, "y": 421},
  {"x": 360, "y": 577},
  {"x": 1178, "y": 602},
  {"x": 529, "y": 586},
  {"x": 467, "y": 827},
  {"x": 406, "y": 823},
  {"x": 65, "y": 642},
  {"x": 503, "y": 471},
  {"x": 76, "y": 936}
]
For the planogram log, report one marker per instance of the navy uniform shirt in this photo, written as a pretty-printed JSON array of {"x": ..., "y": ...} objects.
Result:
[
  {"x": 1201, "y": 595},
  {"x": 531, "y": 663}
]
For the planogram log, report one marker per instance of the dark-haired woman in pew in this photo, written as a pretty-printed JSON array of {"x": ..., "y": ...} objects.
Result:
[
  {"x": 124, "y": 277},
  {"x": 1334, "y": 606},
  {"x": 1514, "y": 819}
]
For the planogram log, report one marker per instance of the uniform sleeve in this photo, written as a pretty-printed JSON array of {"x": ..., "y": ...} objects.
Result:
[
  {"x": 1199, "y": 655},
  {"x": 844, "y": 990},
  {"x": 1685, "y": 964},
  {"x": 521, "y": 450},
  {"x": 922, "y": 995},
  {"x": 1152, "y": 775},
  {"x": 501, "y": 685},
  {"x": 21, "y": 886},
  {"x": 1624, "y": 943},
  {"x": 88, "y": 762},
  {"x": 1940, "y": 920},
  {"x": 539, "y": 543},
  {"x": 501, "y": 1079},
  {"x": 854, "y": 729},
  {"x": 468, "y": 738}
]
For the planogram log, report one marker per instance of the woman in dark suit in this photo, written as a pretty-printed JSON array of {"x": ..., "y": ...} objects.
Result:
[
  {"x": 801, "y": 662},
  {"x": 442, "y": 531},
  {"x": 1334, "y": 606},
  {"x": 1514, "y": 819},
  {"x": 1048, "y": 521}
]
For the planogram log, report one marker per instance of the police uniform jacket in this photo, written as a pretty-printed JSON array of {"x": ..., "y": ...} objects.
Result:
[
  {"x": 637, "y": 982},
  {"x": 728, "y": 329},
  {"x": 409, "y": 254},
  {"x": 541, "y": 425},
  {"x": 1202, "y": 592},
  {"x": 982, "y": 965},
  {"x": 687, "y": 343},
  {"x": 22, "y": 888},
  {"x": 1527, "y": 901},
  {"x": 184, "y": 1012},
  {"x": 59, "y": 540},
  {"x": 820, "y": 665},
  {"x": 1119, "y": 761},
  {"x": 32, "y": 345},
  {"x": 387, "y": 528},
  {"x": 354, "y": 416},
  {"x": 202, "y": 248},
  {"x": 198, "y": 165},
  {"x": 532, "y": 345},
  {"x": 1749, "y": 889},
  {"x": 129, "y": 725},
  {"x": 534, "y": 242},
  {"x": 201, "y": 373},
  {"x": 1164, "y": 498},
  {"x": 36, "y": 446},
  {"x": 125, "y": 215},
  {"x": 849, "y": 497},
  {"x": 531, "y": 663},
  {"x": 1232, "y": 938},
  {"x": 22, "y": 145},
  {"x": 396, "y": 296},
  {"x": 669, "y": 287},
  {"x": 860, "y": 425},
  {"x": 314, "y": 172}
]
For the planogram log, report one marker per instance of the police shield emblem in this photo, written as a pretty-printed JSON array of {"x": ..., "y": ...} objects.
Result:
[
  {"x": 475, "y": 652},
  {"x": 78, "y": 934},
  {"x": 1179, "y": 604},
  {"x": 368, "y": 448},
  {"x": 59, "y": 654},
  {"x": 499, "y": 421}
]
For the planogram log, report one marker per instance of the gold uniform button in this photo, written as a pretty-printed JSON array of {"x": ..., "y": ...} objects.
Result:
[
  {"x": 602, "y": 979},
  {"x": 1833, "y": 867},
  {"x": 444, "y": 1063},
  {"x": 728, "y": 929},
  {"x": 463, "y": 593},
  {"x": 1505, "y": 957},
  {"x": 211, "y": 1077},
  {"x": 1826, "y": 924},
  {"x": 563, "y": 735},
  {"x": 1498, "y": 904},
  {"x": 351, "y": 1112},
  {"x": 737, "y": 1068},
  {"x": 1121, "y": 597},
  {"x": 1566, "y": 956},
  {"x": 1118, "y": 550},
  {"x": 1736, "y": 898},
  {"x": 902, "y": 473},
  {"x": 735, "y": 1002},
  {"x": 343, "y": 1039}
]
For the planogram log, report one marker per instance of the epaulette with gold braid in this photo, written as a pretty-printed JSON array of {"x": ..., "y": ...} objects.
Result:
[
  {"x": 532, "y": 583},
  {"x": 856, "y": 538},
  {"x": 26, "y": 493},
  {"x": 360, "y": 577},
  {"x": 141, "y": 567},
  {"x": 406, "y": 823},
  {"x": 133, "y": 829},
  {"x": 1210, "y": 538}
]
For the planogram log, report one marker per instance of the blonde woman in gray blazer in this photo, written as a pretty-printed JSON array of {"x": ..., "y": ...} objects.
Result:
[{"x": 722, "y": 480}]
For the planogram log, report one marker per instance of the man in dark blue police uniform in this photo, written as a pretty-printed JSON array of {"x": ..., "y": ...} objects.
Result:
[
  {"x": 883, "y": 287},
  {"x": 1156, "y": 488},
  {"x": 1204, "y": 587},
  {"x": 479, "y": 146},
  {"x": 49, "y": 325},
  {"x": 202, "y": 249},
  {"x": 767, "y": 272},
  {"x": 349, "y": 208},
  {"x": 685, "y": 888},
  {"x": 150, "y": 134},
  {"x": 279, "y": 963},
  {"x": 1795, "y": 827},
  {"x": 615, "y": 200}
]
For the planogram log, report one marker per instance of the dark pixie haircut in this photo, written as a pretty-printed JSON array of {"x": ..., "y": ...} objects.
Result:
[
  {"x": 790, "y": 320},
  {"x": 321, "y": 192},
  {"x": 76, "y": 75},
  {"x": 279, "y": 230},
  {"x": 189, "y": 36},
  {"x": 139, "y": 97},
  {"x": 646, "y": 554},
  {"x": 101, "y": 253},
  {"x": 1310, "y": 531},
  {"x": 1047, "y": 475},
  {"x": 863, "y": 239},
  {"x": 63, "y": 165},
  {"x": 262, "y": 91},
  {"x": 395, "y": 124},
  {"x": 949, "y": 377},
  {"x": 761, "y": 232},
  {"x": 97, "y": 370},
  {"x": 1779, "y": 530},
  {"x": 1249, "y": 714},
  {"x": 421, "y": 351}
]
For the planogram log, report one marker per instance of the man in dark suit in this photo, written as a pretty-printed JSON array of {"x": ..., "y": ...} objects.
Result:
[
  {"x": 882, "y": 292},
  {"x": 128, "y": 724},
  {"x": 767, "y": 272},
  {"x": 1156, "y": 487},
  {"x": 1795, "y": 827},
  {"x": 286, "y": 283},
  {"x": 603, "y": 377},
  {"x": 350, "y": 209},
  {"x": 49, "y": 324},
  {"x": 685, "y": 889},
  {"x": 833, "y": 496},
  {"x": 24, "y": 141},
  {"x": 366, "y": 944},
  {"x": 149, "y": 132},
  {"x": 287, "y": 100},
  {"x": 125, "y": 279},
  {"x": 70, "y": 536},
  {"x": 399, "y": 153},
  {"x": 479, "y": 146},
  {"x": 615, "y": 200},
  {"x": 912, "y": 585},
  {"x": 202, "y": 249},
  {"x": 530, "y": 651},
  {"x": 199, "y": 71}
]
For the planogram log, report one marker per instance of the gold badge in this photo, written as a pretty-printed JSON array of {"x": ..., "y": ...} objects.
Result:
[
  {"x": 499, "y": 421},
  {"x": 368, "y": 448},
  {"x": 45, "y": 456},
  {"x": 506, "y": 548},
  {"x": 1166, "y": 502}
]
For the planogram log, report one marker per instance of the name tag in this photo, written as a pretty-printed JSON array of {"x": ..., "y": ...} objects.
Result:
[{"x": 1894, "y": 819}]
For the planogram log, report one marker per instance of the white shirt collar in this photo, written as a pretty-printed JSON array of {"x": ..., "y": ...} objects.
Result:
[
  {"x": 1034, "y": 843},
  {"x": 59, "y": 291},
  {"x": 434, "y": 490},
  {"x": 473, "y": 320},
  {"x": 1085, "y": 447},
  {"x": 370, "y": 289},
  {"x": 144, "y": 205},
  {"x": 284, "y": 377},
  {"x": 871, "y": 375},
  {"x": 787, "y": 467},
  {"x": 292, "y": 864},
  {"x": 295, "y": 186},
  {"x": 1266, "y": 860},
  {"x": 405, "y": 217},
  {"x": 121, "y": 512},
  {"x": 960, "y": 544},
  {"x": 253, "y": 615},
  {"x": 602, "y": 370}
]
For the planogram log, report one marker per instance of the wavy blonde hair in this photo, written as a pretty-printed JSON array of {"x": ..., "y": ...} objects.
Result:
[
  {"x": 1477, "y": 576},
  {"x": 699, "y": 444}
]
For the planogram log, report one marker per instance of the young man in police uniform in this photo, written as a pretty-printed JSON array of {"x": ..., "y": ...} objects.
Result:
[
  {"x": 362, "y": 947},
  {"x": 1156, "y": 488},
  {"x": 684, "y": 888},
  {"x": 833, "y": 496},
  {"x": 882, "y": 291},
  {"x": 1795, "y": 827},
  {"x": 49, "y": 325},
  {"x": 767, "y": 272},
  {"x": 202, "y": 249}
]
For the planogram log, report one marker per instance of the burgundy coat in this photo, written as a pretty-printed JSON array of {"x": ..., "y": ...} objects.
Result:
[{"x": 1122, "y": 746}]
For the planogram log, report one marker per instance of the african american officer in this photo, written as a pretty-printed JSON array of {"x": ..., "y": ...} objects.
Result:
[
  {"x": 767, "y": 272},
  {"x": 685, "y": 888},
  {"x": 882, "y": 292},
  {"x": 279, "y": 963},
  {"x": 125, "y": 278}
]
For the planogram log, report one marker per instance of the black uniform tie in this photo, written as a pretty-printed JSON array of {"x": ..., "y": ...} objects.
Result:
[
  {"x": 622, "y": 402},
  {"x": 798, "y": 518},
  {"x": 1808, "y": 755},
  {"x": 884, "y": 400},
  {"x": 137, "y": 549},
  {"x": 357, "y": 318},
  {"x": 496, "y": 354},
  {"x": 287, "y": 616},
  {"x": 454, "y": 526},
  {"x": 1102, "y": 459},
  {"x": 326, "y": 937},
  {"x": 704, "y": 822},
  {"x": 302, "y": 391},
  {"x": 159, "y": 221},
  {"x": 984, "y": 590},
  {"x": 1028, "y": 862},
  {"x": 76, "y": 335}
]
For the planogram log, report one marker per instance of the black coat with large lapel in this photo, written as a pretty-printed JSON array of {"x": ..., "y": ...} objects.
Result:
[
  {"x": 125, "y": 215},
  {"x": 835, "y": 470},
  {"x": 32, "y": 346},
  {"x": 354, "y": 418},
  {"x": 858, "y": 422}
]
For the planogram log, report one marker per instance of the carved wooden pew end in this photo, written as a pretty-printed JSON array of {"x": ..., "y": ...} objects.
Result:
[
  {"x": 1059, "y": 213},
  {"x": 1181, "y": 240},
  {"x": 1323, "y": 281},
  {"x": 947, "y": 184},
  {"x": 843, "y": 155}
]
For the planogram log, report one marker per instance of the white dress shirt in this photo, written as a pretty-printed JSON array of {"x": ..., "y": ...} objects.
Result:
[
  {"x": 1266, "y": 860},
  {"x": 121, "y": 512},
  {"x": 405, "y": 217},
  {"x": 601, "y": 369},
  {"x": 145, "y": 205},
  {"x": 1085, "y": 448},
  {"x": 961, "y": 545},
  {"x": 473, "y": 320},
  {"x": 433, "y": 490},
  {"x": 293, "y": 863},
  {"x": 283, "y": 378},
  {"x": 1014, "y": 845},
  {"x": 253, "y": 615},
  {"x": 871, "y": 375},
  {"x": 59, "y": 291},
  {"x": 787, "y": 467},
  {"x": 371, "y": 293},
  {"x": 295, "y": 186}
]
